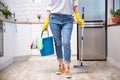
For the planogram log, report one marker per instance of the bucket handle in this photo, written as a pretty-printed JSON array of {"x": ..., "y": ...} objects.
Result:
[{"x": 44, "y": 31}]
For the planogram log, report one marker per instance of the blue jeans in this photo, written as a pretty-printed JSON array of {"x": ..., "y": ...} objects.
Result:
[{"x": 61, "y": 27}]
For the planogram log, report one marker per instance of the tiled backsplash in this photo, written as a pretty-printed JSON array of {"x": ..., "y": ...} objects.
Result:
[{"x": 27, "y": 10}]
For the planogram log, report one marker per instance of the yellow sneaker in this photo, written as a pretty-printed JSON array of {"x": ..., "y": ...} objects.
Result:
[
  {"x": 60, "y": 70},
  {"x": 67, "y": 74}
]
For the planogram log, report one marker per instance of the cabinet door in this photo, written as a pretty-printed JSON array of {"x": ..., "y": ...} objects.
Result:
[
  {"x": 74, "y": 40},
  {"x": 9, "y": 39},
  {"x": 23, "y": 39},
  {"x": 8, "y": 45}
]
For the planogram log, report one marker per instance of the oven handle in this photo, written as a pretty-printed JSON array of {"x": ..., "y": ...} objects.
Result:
[{"x": 94, "y": 25}]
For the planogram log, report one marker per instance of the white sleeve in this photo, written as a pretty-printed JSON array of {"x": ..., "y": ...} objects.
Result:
[
  {"x": 50, "y": 4},
  {"x": 75, "y": 2}
]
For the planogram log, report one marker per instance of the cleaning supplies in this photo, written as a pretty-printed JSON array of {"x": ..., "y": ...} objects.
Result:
[{"x": 39, "y": 44}]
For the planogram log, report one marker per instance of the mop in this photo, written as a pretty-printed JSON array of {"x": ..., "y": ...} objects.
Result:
[{"x": 81, "y": 65}]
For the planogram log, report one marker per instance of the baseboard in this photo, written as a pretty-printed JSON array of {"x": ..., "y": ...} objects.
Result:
[
  {"x": 21, "y": 58},
  {"x": 115, "y": 63},
  {"x": 6, "y": 63},
  {"x": 12, "y": 60}
]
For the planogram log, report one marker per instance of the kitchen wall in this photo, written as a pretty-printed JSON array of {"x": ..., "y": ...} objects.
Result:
[
  {"x": 27, "y": 10},
  {"x": 110, "y": 7},
  {"x": 114, "y": 45}
]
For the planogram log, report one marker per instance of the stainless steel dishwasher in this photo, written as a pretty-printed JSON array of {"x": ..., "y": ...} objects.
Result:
[
  {"x": 94, "y": 40},
  {"x": 1, "y": 39}
]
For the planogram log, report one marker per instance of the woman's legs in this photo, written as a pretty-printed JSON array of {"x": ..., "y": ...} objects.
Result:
[
  {"x": 56, "y": 31},
  {"x": 62, "y": 36},
  {"x": 66, "y": 35},
  {"x": 61, "y": 27}
]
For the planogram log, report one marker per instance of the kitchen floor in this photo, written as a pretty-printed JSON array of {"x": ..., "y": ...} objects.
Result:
[{"x": 37, "y": 68}]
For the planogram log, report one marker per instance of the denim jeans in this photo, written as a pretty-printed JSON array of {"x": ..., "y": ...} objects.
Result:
[{"x": 61, "y": 27}]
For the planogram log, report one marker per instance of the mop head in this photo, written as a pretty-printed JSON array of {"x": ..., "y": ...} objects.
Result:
[{"x": 81, "y": 66}]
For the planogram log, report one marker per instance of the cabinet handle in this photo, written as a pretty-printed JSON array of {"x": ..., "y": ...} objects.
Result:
[{"x": 4, "y": 28}]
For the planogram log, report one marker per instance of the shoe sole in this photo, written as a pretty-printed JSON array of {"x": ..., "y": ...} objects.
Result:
[
  {"x": 59, "y": 73},
  {"x": 68, "y": 77}
]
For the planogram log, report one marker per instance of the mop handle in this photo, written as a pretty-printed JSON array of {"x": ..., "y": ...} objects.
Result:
[
  {"x": 83, "y": 12},
  {"x": 82, "y": 37}
]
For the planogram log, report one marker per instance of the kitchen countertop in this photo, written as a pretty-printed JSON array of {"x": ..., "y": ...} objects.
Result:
[
  {"x": 23, "y": 22},
  {"x": 113, "y": 24},
  {"x": 6, "y": 20},
  {"x": 35, "y": 22}
]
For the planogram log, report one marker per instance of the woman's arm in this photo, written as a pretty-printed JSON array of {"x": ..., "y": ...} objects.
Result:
[
  {"x": 47, "y": 20},
  {"x": 48, "y": 13},
  {"x": 75, "y": 8}
]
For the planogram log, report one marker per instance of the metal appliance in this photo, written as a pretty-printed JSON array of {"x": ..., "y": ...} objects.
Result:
[
  {"x": 1, "y": 38},
  {"x": 95, "y": 17}
]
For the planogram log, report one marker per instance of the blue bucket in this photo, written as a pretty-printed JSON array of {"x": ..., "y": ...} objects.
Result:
[{"x": 48, "y": 48}]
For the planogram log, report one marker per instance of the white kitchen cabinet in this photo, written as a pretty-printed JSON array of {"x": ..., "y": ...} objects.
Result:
[
  {"x": 8, "y": 44},
  {"x": 25, "y": 34},
  {"x": 9, "y": 39},
  {"x": 23, "y": 38},
  {"x": 114, "y": 45}
]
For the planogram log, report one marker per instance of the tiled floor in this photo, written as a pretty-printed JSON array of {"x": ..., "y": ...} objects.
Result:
[{"x": 44, "y": 69}]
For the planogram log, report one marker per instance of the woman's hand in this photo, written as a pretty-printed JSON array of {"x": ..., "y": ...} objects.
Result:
[
  {"x": 79, "y": 19},
  {"x": 77, "y": 15}
]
